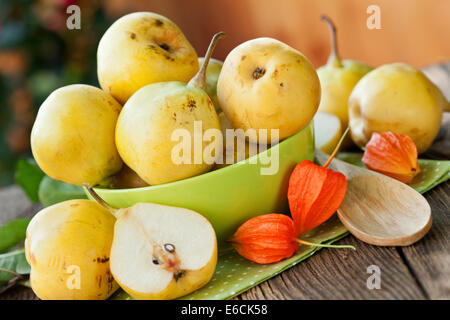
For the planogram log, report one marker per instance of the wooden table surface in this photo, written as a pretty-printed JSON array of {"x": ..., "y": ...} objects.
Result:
[{"x": 420, "y": 271}]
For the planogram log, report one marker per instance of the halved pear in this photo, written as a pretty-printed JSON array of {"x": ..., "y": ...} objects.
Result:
[
  {"x": 327, "y": 131},
  {"x": 161, "y": 252}
]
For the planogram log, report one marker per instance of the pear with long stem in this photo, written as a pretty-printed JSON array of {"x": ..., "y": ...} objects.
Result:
[
  {"x": 337, "y": 79},
  {"x": 159, "y": 132}
]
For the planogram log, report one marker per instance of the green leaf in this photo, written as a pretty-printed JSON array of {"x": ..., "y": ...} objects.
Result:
[
  {"x": 14, "y": 261},
  {"x": 53, "y": 191},
  {"x": 29, "y": 176},
  {"x": 13, "y": 233}
]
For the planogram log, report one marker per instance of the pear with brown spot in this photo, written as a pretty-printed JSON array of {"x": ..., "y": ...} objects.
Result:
[
  {"x": 68, "y": 248},
  {"x": 266, "y": 84},
  {"x": 160, "y": 130},
  {"x": 143, "y": 48}
]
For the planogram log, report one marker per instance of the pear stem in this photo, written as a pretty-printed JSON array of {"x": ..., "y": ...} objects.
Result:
[
  {"x": 334, "y": 55},
  {"x": 11, "y": 283},
  {"x": 99, "y": 200},
  {"x": 324, "y": 245},
  {"x": 336, "y": 149},
  {"x": 17, "y": 275},
  {"x": 199, "y": 80}
]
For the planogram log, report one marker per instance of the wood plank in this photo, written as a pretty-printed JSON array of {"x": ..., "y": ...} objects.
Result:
[
  {"x": 19, "y": 293},
  {"x": 342, "y": 274},
  {"x": 429, "y": 259}
]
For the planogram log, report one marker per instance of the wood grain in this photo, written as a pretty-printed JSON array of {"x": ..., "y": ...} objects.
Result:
[
  {"x": 342, "y": 274},
  {"x": 429, "y": 259}
]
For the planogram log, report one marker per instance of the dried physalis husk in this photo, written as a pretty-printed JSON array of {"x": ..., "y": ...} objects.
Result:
[{"x": 392, "y": 154}]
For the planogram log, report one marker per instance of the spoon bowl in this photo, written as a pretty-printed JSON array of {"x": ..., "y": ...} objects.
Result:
[{"x": 380, "y": 210}]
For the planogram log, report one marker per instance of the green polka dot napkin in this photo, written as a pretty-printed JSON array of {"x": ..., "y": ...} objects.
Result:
[{"x": 234, "y": 274}]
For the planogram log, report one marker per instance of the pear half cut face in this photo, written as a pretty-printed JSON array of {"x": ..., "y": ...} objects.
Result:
[{"x": 162, "y": 252}]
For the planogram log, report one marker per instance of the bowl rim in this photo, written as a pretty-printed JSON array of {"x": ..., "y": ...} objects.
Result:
[{"x": 211, "y": 172}]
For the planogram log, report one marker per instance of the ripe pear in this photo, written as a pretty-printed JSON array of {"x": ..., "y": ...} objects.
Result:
[
  {"x": 68, "y": 248},
  {"x": 327, "y": 131},
  {"x": 212, "y": 76},
  {"x": 143, "y": 48},
  {"x": 337, "y": 79},
  {"x": 161, "y": 252},
  {"x": 72, "y": 138},
  {"x": 398, "y": 98},
  {"x": 266, "y": 84},
  {"x": 151, "y": 117}
]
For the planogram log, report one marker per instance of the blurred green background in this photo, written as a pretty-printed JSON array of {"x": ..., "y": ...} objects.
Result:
[{"x": 37, "y": 55}]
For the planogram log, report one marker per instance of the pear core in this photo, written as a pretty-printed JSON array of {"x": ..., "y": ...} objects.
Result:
[{"x": 162, "y": 252}]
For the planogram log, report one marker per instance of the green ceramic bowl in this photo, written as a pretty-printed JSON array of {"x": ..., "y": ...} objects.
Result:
[{"x": 229, "y": 196}]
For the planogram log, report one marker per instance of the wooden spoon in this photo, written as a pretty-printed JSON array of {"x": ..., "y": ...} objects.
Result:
[{"x": 378, "y": 209}]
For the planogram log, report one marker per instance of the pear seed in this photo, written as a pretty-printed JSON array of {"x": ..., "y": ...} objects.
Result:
[{"x": 169, "y": 247}]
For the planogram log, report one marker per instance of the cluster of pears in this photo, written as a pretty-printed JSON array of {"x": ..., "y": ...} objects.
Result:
[
  {"x": 82, "y": 249},
  {"x": 120, "y": 136},
  {"x": 393, "y": 97}
]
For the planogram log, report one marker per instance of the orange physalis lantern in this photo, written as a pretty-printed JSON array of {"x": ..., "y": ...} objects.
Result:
[{"x": 392, "y": 154}]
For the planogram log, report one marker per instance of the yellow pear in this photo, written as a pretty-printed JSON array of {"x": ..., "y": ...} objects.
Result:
[
  {"x": 398, "y": 98},
  {"x": 337, "y": 79},
  {"x": 68, "y": 247},
  {"x": 266, "y": 84},
  {"x": 161, "y": 252},
  {"x": 327, "y": 131},
  {"x": 72, "y": 138},
  {"x": 212, "y": 76},
  {"x": 154, "y": 119},
  {"x": 143, "y": 48}
]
